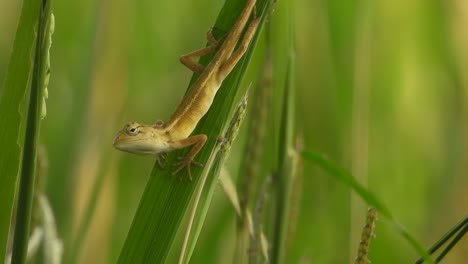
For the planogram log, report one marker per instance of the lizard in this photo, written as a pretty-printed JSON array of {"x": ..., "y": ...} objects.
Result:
[{"x": 164, "y": 137}]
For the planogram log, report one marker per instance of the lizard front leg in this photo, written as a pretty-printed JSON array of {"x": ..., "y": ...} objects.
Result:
[
  {"x": 199, "y": 141},
  {"x": 161, "y": 160}
]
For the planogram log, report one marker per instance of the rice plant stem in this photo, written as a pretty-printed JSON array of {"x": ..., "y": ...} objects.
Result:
[
  {"x": 27, "y": 176},
  {"x": 452, "y": 244},
  {"x": 462, "y": 225},
  {"x": 206, "y": 172}
]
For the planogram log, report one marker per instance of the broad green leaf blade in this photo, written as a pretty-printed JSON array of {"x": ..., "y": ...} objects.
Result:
[
  {"x": 28, "y": 164},
  {"x": 12, "y": 92},
  {"x": 166, "y": 199},
  {"x": 345, "y": 177}
]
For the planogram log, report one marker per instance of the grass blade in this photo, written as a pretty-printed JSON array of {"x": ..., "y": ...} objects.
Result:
[
  {"x": 345, "y": 177},
  {"x": 12, "y": 92},
  {"x": 458, "y": 231},
  {"x": 166, "y": 200},
  {"x": 285, "y": 174},
  {"x": 28, "y": 165},
  {"x": 203, "y": 201},
  {"x": 452, "y": 243}
]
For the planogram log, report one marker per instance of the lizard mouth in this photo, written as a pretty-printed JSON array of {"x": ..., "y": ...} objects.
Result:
[
  {"x": 124, "y": 141},
  {"x": 133, "y": 145}
]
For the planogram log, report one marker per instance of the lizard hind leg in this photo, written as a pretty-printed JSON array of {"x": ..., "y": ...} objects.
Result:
[
  {"x": 231, "y": 62},
  {"x": 194, "y": 66},
  {"x": 212, "y": 41}
]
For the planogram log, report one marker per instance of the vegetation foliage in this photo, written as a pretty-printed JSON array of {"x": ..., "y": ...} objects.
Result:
[{"x": 371, "y": 93}]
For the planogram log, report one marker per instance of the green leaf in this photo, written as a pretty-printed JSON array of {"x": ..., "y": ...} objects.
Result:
[
  {"x": 203, "y": 197},
  {"x": 12, "y": 92},
  {"x": 166, "y": 199},
  {"x": 28, "y": 164}
]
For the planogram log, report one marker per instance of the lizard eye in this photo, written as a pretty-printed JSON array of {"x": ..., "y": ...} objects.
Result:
[{"x": 132, "y": 131}]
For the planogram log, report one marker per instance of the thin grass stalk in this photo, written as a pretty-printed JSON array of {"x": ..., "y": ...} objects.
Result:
[
  {"x": 249, "y": 175},
  {"x": 219, "y": 155},
  {"x": 452, "y": 243},
  {"x": 89, "y": 212},
  {"x": 368, "y": 231},
  {"x": 13, "y": 90},
  {"x": 184, "y": 256},
  {"x": 257, "y": 219},
  {"x": 283, "y": 180},
  {"x": 28, "y": 165},
  {"x": 460, "y": 228}
]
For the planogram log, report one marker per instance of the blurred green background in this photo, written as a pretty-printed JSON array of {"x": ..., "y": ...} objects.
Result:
[{"x": 382, "y": 90}]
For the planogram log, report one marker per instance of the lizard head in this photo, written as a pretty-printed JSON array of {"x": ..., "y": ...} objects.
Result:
[{"x": 142, "y": 139}]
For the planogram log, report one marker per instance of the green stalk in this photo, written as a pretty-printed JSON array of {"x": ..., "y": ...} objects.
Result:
[
  {"x": 28, "y": 169},
  {"x": 458, "y": 230},
  {"x": 251, "y": 164},
  {"x": 89, "y": 211},
  {"x": 12, "y": 92},
  {"x": 285, "y": 175}
]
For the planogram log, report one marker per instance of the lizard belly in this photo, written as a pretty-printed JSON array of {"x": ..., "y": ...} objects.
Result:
[
  {"x": 195, "y": 111},
  {"x": 143, "y": 148}
]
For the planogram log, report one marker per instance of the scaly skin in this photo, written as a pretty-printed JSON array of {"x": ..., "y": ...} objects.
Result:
[{"x": 174, "y": 134}]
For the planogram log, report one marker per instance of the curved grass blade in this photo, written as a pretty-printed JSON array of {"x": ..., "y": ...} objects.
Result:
[{"x": 345, "y": 177}]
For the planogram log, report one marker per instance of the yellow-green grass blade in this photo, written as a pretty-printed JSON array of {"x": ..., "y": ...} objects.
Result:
[{"x": 166, "y": 199}]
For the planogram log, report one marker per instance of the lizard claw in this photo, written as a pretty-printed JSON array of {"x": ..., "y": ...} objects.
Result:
[
  {"x": 211, "y": 39},
  {"x": 159, "y": 124},
  {"x": 185, "y": 162},
  {"x": 161, "y": 159}
]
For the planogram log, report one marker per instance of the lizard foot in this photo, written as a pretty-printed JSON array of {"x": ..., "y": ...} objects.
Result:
[
  {"x": 185, "y": 162},
  {"x": 161, "y": 160},
  {"x": 212, "y": 41}
]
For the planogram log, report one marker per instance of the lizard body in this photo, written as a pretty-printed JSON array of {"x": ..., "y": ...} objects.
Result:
[{"x": 174, "y": 134}]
